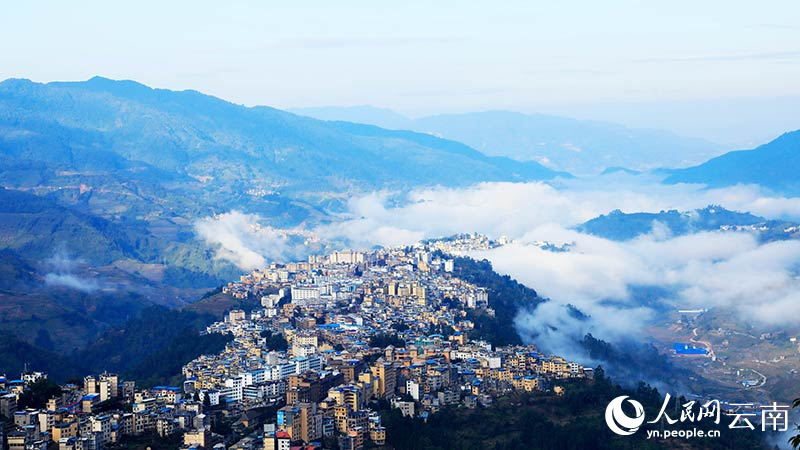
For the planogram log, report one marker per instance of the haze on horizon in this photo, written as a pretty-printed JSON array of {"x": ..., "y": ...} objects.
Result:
[{"x": 724, "y": 71}]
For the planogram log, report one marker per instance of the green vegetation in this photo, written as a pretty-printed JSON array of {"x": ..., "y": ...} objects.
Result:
[
  {"x": 38, "y": 393},
  {"x": 633, "y": 361},
  {"x": 621, "y": 226},
  {"x": 574, "y": 421},
  {"x": 149, "y": 348},
  {"x": 629, "y": 361},
  {"x": 152, "y": 347},
  {"x": 275, "y": 341},
  {"x": 15, "y": 353},
  {"x": 384, "y": 340},
  {"x": 67, "y": 275},
  {"x": 164, "y": 366},
  {"x": 113, "y": 175},
  {"x": 150, "y": 440},
  {"x": 216, "y": 304},
  {"x": 43, "y": 229},
  {"x": 506, "y": 297},
  {"x": 400, "y": 327},
  {"x": 147, "y": 151}
]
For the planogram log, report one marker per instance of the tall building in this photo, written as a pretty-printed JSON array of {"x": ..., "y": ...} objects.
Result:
[
  {"x": 305, "y": 323},
  {"x": 112, "y": 380},
  {"x": 236, "y": 316},
  {"x": 89, "y": 385},
  {"x": 300, "y": 294},
  {"x": 346, "y": 257},
  {"x": 353, "y": 440},
  {"x": 387, "y": 378},
  {"x": 309, "y": 420},
  {"x": 449, "y": 265},
  {"x": 8, "y": 405},
  {"x": 289, "y": 421},
  {"x": 104, "y": 389},
  {"x": 300, "y": 421},
  {"x": 340, "y": 417},
  {"x": 412, "y": 389},
  {"x": 349, "y": 396},
  {"x": 358, "y": 421},
  {"x": 102, "y": 426}
]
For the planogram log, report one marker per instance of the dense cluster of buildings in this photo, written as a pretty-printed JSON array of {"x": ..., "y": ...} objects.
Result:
[
  {"x": 337, "y": 341},
  {"x": 365, "y": 331},
  {"x": 97, "y": 415}
]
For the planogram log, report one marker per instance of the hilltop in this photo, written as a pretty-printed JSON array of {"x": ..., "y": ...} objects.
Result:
[
  {"x": 620, "y": 226},
  {"x": 773, "y": 165}
]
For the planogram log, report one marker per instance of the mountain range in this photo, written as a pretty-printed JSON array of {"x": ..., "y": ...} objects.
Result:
[
  {"x": 619, "y": 226},
  {"x": 116, "y": 173},
  {"x": 773, "y": 165},
  {"x": 102, "y": 181},
  {"x": 580, "y": 147},
  {"x": 194, "y": 141}
]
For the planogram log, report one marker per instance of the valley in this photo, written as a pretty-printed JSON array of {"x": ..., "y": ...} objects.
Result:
[{"x": 129, "y": 214}]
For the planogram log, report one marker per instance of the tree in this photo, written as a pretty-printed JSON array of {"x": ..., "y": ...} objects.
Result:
[
  {"x": 277, "y": 342},
  {"x": 599, "y": 374},
  {"x": 400, "y": 327},
  {"x": 506, "y": 298},
  {"x": 37, "y": 394},
  {"x": 383, "y": 340}
]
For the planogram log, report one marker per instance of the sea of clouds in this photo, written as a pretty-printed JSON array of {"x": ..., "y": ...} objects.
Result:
[{"x": 599, "y": 276}]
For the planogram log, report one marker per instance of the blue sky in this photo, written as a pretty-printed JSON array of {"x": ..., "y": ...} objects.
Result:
[{"x": 635, "y": 62}]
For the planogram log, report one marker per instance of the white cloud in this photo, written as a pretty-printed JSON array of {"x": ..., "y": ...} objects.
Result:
[
  {"x": 241, "y": 239},
  {"x": 704, "y": 270},
  {"x": 71, "y": 281},
  {"x": 700, "y": 270},
  {"x": 513, "y": 209},
  {"x": 62, "y": 273}
]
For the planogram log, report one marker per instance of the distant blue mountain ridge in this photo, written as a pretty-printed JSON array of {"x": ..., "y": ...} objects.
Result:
[
  {"x": 619, "y": 226},
  {"x": 775, "y": 165},
  {"x": 107, "y": 124},
  {"x": 581, "y": 147},
  {"x": 117, "y": 165}
]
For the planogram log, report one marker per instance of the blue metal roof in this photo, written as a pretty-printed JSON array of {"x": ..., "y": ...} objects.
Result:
[{"x": 688, "y": 349}]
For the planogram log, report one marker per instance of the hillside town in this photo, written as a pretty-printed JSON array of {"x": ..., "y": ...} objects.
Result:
[{"x": 337, "y": 341}]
